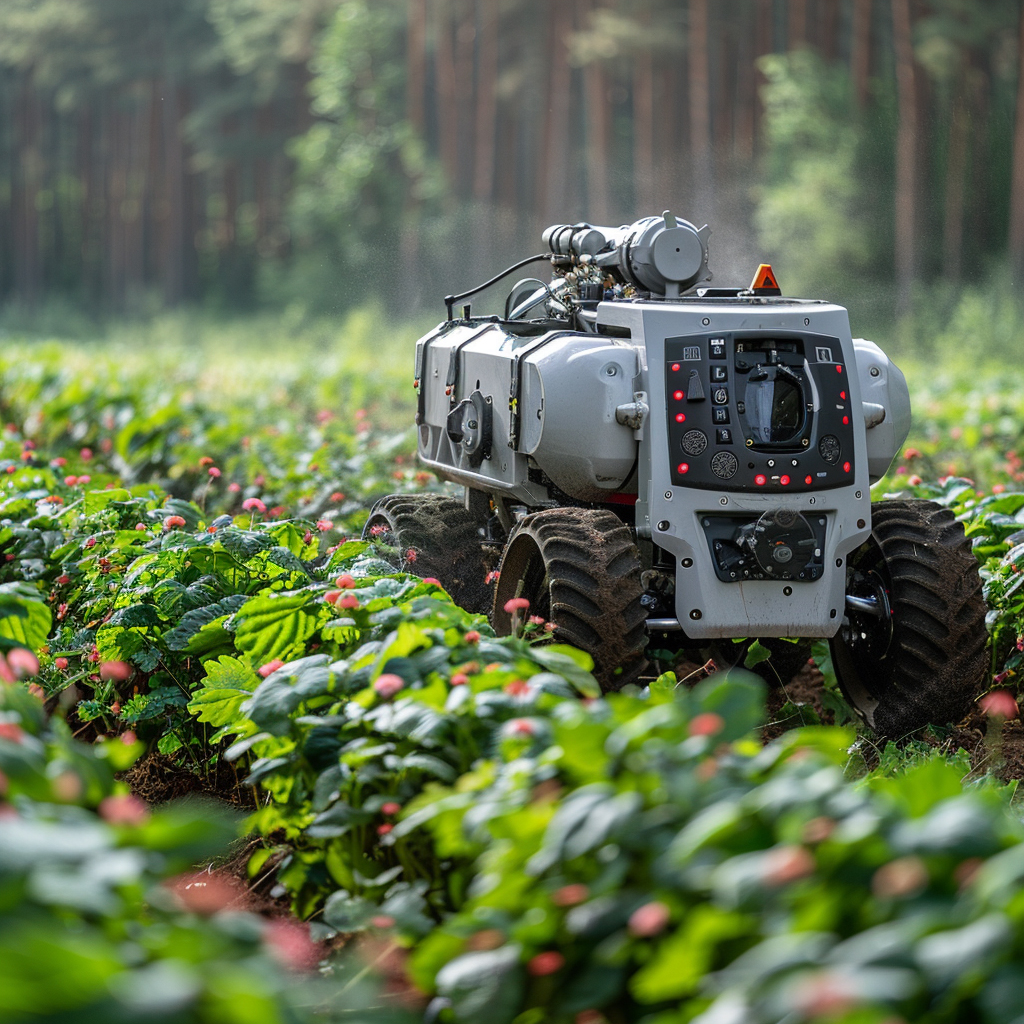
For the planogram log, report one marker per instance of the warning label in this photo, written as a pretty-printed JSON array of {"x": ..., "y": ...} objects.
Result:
[{"x": 764, "y": 280}]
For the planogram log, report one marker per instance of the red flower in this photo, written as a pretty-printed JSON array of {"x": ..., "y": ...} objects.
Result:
[
  {"x": 382, "y": 921},
  {"x": 323, "y": 525},
  {"x": 517, "y": 688},
  {"x": 472, "y": 637},
  {"x": 914, "y": 481},
  {"x": 548, "y": 962},
  {"x": 123, "y": 809},
  {"x": 289, "y": 943},
  {"x": 115, "y": 708},
  {"x": 10, "y": 731},
  {"x": 205, "y": 460},
  {"x": 171, "y": 522},
  {"x": 214, "y": 472},
  {"x": 140, "y": 526},
  {"x": 519, "y": 727},
  {"x": 515, "y": 604},
  {"x": 911, "y": 453},
  {"x": 205, "y": 892},
  {"x": 337, "y": 496},
  {"x": 650, "y": 919},
  {"x": 270, "y": 667},
  {"x": 348, "y": 601},
  {"x": 346, "y": 582},
  {"x": 63, "y": 581},
  {"x": 119, "y": 671},
  {"x": 570, "y": 895},
  {"x": 999, "y": 704},
  {"x": 387, "y": 685},
  {"x": 86, "y": 454},
  {"x": 707, "y": 724},
  {"x": 59, "y": 462},
  {"x": 234, "y": 487},
  {"x": 62, "y": 610},
  {"x": 90, "y": 542},
  {"x": 60, "y": 663},
  {"x": 254, "y": 505},
  {"x": 71, "y": 480},
  {"x": 331, "y": 597},
  {"x": 391, "y": 808},
  {"x": 23, "y": 662},
  {"x": 459, "y": 679},
  {"x": 492, "y": 577},
  {"x": 432, "y": 580},
  {"x": 410, "y": 555},
  {"x": 383, "y": 830}
]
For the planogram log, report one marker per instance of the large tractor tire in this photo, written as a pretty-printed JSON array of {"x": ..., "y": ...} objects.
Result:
[
  {"x": 912, "y": 649},
  {"x": 434, "y": 535},
  {"x": 579, "y": 569}
]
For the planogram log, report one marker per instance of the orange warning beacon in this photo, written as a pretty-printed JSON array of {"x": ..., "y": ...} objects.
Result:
[{"x": 764, "y": 282}]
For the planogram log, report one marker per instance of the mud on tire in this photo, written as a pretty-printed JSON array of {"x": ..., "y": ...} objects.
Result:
[
  {"x": 934, "y": 664},
  {"x": 580, "y": 569},
  {"x": 446, "y": 541}
]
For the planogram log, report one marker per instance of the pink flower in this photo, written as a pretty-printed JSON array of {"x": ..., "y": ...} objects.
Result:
[
  {"x": 270, "y": 667},
  {"x": 205, "y": 892},
  {"x": 387, "y": 685},
  {"x": 472, "y": 637},
  {"x": 914, "y": 481},
  {"x": 786, "y": 864},
  {"x": 115, "y": 708},
  {"x": 86, "y": 454},
  {"x": 59, "y": 463},
  {"x": 214, "y": 472},
  {"x": 332, "y": 596},
  {"x": 64, "y": 580},
  {"x": 570, "y": 895},
  {"x": 11, "y": 731},
  {"x": 519, "y": 727},
  {"x": 234, "y": 487},
  {"x": 123, "y": 809},
  {"x": 382, "y": 921},
  {"x": 516, "y": 604},
  {"x": 289, "y": 944},
  {"x": 23, "y": 662},
  {"x": 349, "y": 601},
  {"x": 999, "y": 704},
  {"x": 650, "y": 919},
  {"x": 323, "y": 525},
  {"x": 383, "y": 830},
  {"x": 90, "y": 542},
  {"x": 391, "y": 808},
  {"x": 911, "y": 453},
  {"x": 410, "y": 555},
  {"x": 459, "y": 679},
  {"x": 205, "y": 460},
  {"x": 492, "y": 577},
  {"x": 307, "y": 536},
  {"x": 71, "y": 480},
  {"x": 82, "y": 480},
  {"x": 346, "y": 582},
  {"x": 254, "y": 505},
  {"x": 536, "y": 620},
  {"x": 170, "y": 522},
  {"x": 337, "y": 496},
  {"x": 140, "y": 526},
  {"x": 706, "y": 724},
  {"x": 128, "y": 738},
  {"x": 433, "y": 581},
  {"x": 517, "y": 688},
  {"x": 60, "y": 663},
  {"x": 548, "y": 962},
  {"x": 119, "y": 671}
]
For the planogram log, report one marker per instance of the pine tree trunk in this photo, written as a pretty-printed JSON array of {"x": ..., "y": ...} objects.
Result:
[
  {"x": 905, "y": 247},
  {"x": 486, "y": 102},
  {"x": 700, "y": 102},
  {"x": 598, "y": 123},
  {"x": 552, "y": 169},
  {"x": 447, "y": 94},
  {"x": 860, "y": 50},
  {"x": 797, "y": 24},
  {"x": 1017, "y": 174},
  {"x": 763, "y": 45},
  {"x": 643, "y": 131},
  {"x": 416, "y": 65},
  {"x": 174, "y": 194},
  {"x": 956, "y": 166}
]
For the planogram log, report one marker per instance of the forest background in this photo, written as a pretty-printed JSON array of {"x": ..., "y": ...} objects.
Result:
[{"x": 310, "y": 155}]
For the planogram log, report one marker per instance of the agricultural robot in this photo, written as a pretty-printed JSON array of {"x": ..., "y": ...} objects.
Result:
[{"x": 649, "y": 458}]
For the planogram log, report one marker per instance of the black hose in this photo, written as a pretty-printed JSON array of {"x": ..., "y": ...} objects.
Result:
[{"x": 450, "y": 300}]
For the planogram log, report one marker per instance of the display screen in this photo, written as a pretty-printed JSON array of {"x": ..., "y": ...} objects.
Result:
[{"x": 775, "y": 410}]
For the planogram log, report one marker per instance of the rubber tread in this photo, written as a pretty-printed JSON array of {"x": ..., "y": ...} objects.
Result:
[
  {"x": 446, "y": 539},
  {"x": 937, "y": 660},
  {"x": 581, "y": 570}
]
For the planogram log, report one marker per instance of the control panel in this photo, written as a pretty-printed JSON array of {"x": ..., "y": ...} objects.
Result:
[{"x": 757, "y": 411}]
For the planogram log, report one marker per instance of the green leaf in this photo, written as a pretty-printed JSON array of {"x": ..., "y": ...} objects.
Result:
[
  {"x": 228, "y": 683},
  {"x": 193, "y": 621},
  {"x": 275, "y": 626},
  {"x": 24, "y": 619},
  {"x": 96, "y": 501}
]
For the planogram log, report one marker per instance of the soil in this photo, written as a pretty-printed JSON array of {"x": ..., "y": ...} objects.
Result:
[{"x": 156, "y": 779}]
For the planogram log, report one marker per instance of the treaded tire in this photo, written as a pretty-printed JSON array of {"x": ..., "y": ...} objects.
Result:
[
  {"x": 580, "y": 569},
  {"x": 934, "y": 665},
  {"x": 446, "y": 540}
]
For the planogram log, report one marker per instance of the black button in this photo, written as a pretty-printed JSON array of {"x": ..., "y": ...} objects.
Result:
[
  {"x": 720, "y": 396},
  {"x": 723, "y": 436},
  {"x": 741, "y": 407},
  {"x": 694, "y": 389},
  {"x": 719, "y": 415},
  {"x": 716, "y": 348},
  {"x": 719, "y": 373}
]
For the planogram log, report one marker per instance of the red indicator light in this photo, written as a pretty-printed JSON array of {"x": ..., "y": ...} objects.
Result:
[
  {"x": 842, "y": 395},
  {"x": 784, "y": 480},
  {"x": 808, "y": 480},
  {"x": 846, "y": 467},
  {"x": 678, "y": 396},
  {"x": 846, "y": 421},
  {"x": 683, "y": 467},
  {"x": 839, "y": 369},
  {"x": 760, "y": 479},
  {"x": 675, "y": 367},
  {"x": 680, "y": 417}
]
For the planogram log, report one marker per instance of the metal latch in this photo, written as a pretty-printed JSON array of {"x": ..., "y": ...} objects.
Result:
[{"x": 633, "y": 414}]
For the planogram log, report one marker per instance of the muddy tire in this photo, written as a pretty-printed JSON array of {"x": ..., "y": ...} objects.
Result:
[
  {"x": 580, "y": 569},
  {"x": 446, "y": 541},
  {"x": 927, "y": 661}
]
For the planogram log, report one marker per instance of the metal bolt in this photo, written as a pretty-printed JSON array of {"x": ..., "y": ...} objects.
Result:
[
  {"x": 664, "y": 526},
  {"x": 788, "y": 591},
  {"x": 807, "y": 321},
  {"x": 611, "y": 370},
  {"x": 705, "y": 322},
  {"x": 832, "y": 614},
  {"x": 858, "y": 495},
  {"x": 875, "y": 371},
  {"x": 687, "y": 563},
  {"x": 861, "y": 524},
  {"x": 696, "y": 614},
  {"x": 839, "y": 563},
  {"x": 668, "y": 495},
  {"x": 723, "y": 501}
]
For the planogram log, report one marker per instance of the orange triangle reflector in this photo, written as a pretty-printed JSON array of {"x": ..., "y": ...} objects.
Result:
[{"x": 764, "y": 281}]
